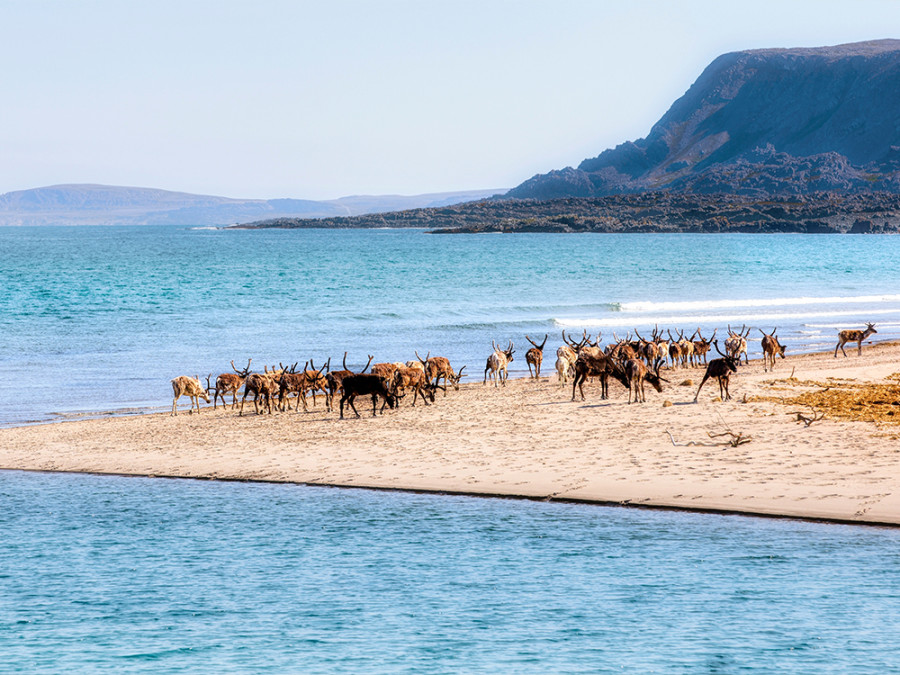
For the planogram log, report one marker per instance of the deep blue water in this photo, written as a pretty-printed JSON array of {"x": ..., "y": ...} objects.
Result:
[
  {"x": 101, "y": 318},
  {"x": 127, "y": 575}
]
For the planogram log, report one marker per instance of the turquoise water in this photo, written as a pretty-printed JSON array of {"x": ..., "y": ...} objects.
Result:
[
  {"x": 100, "y": 319},
  {"x": 150, "y": 575}
]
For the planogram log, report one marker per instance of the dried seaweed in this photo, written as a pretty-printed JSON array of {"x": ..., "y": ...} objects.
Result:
[{"x": 877, "y": 402}]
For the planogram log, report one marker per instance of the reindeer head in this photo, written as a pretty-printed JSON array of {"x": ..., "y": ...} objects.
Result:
[
  {"x": 455, "y": 378},
  {"x": 729, "y": 361}
]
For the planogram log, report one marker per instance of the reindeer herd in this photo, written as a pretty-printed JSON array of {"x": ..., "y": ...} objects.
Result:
[{"x": 630, "y": 361}]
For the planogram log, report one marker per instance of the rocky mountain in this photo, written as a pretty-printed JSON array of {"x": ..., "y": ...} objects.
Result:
[
  {"x": 109, "y": 205},
  {"x": 758, "y": 123}
]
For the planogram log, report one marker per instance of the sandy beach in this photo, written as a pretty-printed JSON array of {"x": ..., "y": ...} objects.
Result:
[{"x": 529, "y": 439}]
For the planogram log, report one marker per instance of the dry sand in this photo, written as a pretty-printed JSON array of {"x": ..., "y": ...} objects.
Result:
[{"x": 529, "y": 440}]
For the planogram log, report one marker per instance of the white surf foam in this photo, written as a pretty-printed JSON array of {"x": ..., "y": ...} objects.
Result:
[{"x": 700, "y": 305}]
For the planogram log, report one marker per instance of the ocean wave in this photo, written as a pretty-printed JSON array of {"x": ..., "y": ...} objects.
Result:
[
  {"x": 694, "y": 319},
  {"x": 694, "y": 305}
]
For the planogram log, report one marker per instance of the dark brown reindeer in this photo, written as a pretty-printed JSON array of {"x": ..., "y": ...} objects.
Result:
[
  {"x": 770, "y": 348},
  {"x": 334, "y": 379},
  {"x": 535, "y": 356},
  {"x": 230, "y": 382},
  {"x": 721, "y": 369},
  {"x": 604, "y": 367},
  {"x": 856, "y": 336},
  {"x": 365, "y": 385},
  {"x": 261, "y": 385}
]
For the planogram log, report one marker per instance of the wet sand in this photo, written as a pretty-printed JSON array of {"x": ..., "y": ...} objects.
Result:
[{"x": 529, "y": 439}]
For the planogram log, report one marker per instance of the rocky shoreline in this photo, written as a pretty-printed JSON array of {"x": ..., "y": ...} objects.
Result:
[{"x": 823, "y": 213}]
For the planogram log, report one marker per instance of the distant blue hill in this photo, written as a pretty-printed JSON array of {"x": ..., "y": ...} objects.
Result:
[{"x": 113, "y": 205}]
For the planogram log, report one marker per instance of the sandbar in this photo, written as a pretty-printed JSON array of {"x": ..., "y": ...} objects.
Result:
[{"x": 530, "y": 440}]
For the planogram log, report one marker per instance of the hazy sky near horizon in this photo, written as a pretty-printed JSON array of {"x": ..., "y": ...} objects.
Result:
[{"x": 317, "y": 100}]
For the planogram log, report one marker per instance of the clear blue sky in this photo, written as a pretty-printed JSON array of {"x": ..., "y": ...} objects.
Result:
[{"x": 318, "y": 100}]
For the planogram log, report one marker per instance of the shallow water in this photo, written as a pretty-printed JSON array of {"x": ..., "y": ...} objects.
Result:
[
  {"x": 116, "y": 574},
  {"x": 101, "y": 318}
]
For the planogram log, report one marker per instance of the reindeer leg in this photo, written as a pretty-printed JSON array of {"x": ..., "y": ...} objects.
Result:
[{"x": 702, "y": 382}]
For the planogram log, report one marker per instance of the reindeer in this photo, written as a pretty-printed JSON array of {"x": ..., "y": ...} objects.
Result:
[
  {"x": 190, "y": 387},
  {"x": 702, "y": 346},
  {"x": 649, "y": 350},
  {"x": 300, "y": 383},
  {"x": 498, "y": 364},
  {"x": 603, "y": 366},
  {"x": 856, "y": 336},
  {"x": 721, "y": 369},
  {"x": 636, "y": 372},
  {"x": 770, "y": 347},
  {"x": 687, "y": 349},
  {"x": 414, "y": 379},
  {"x": 535, "y": 356},
  {"x": 438, "y": 368},
  {"x": 230, "y": 382},
  {"x": 676, "y": 355},
  {"x": 334, "y": 379},
  {"x": 364, "y": 385},
  {"x": 566, "y": 355},
  {"x": 261, "y": 385},
  {"x": 385, "y": 370},
  {"x": 736, "y": 344}
]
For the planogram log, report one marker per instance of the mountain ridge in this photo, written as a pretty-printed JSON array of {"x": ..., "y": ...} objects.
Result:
[
  {"x": 96, "y": 204},
  {"x": 760, "y": 122}
]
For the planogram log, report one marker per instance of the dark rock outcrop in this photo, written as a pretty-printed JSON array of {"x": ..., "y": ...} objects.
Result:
[
  {"x": 825, "y": 213},
  {"x": 758, "y": 123}
]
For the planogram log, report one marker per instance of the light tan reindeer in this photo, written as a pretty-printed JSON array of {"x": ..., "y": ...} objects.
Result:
[
  {"x": 856, "y": 336},
  {"x": 736, "y": 344},
  {"x": 498, "y": 364},
  {"x": 190, "y": 387},
  {"x": 770, "y": 348}
]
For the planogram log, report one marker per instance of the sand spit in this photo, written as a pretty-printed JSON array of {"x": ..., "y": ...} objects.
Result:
[{"x": 530, "y": 440}]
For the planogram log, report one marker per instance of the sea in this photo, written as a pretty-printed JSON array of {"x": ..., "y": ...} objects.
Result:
[{"x": 117, "y": 574}]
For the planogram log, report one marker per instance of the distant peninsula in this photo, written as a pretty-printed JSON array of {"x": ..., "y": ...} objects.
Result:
[{"x": 770, "y": 140}]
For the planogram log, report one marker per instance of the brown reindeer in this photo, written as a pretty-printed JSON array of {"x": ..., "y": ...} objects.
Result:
[
  {"x": 770, "y": 347},
  {"x": 702, "y": 346},
  {"x": 498, "y": 364},
  {"x": 413, "y": 379},
  {"x": 721, "y": 369},
  {"x": 856, "y": 336},
  {"x": 261, "y": 385},
  {"x": 438, "y": 368},
  {"x": 230, "y": 382},
  {"x": 190, "y": 387},
  {"x": 535, "y": 356},
  {"x": 637, "y": 373}
]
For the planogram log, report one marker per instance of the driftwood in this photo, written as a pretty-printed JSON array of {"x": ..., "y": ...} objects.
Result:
[
  {"x": 809, "y": 419},
  {"x": 736, "y": 439}
]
